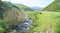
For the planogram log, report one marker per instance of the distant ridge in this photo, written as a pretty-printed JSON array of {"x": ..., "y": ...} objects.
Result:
[{"x": 37, "y": 8}]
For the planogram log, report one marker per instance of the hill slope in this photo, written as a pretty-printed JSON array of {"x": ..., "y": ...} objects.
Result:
[
  {"x": 55, "y": 6},
  {"x": 26, "y": 8}
]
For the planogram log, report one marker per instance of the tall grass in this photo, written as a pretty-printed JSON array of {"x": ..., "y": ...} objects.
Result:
[{"x": 45, "y": 21}]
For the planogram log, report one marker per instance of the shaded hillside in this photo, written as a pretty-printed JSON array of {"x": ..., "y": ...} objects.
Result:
[{"x": 55, "y": 6}]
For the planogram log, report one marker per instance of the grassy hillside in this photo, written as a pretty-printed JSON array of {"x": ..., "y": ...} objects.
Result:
[
  {"x": 26, "y": 8},
  {"x": 45, "y": 22},
  {"x": 7, "y": 5},
  {"x": 55, "y": 6}
]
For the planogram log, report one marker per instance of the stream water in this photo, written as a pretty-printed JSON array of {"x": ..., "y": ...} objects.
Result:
[{"x": 23, "y": 27}]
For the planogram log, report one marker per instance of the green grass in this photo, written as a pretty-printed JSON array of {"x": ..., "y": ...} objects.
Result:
[{"x": 45, "y": 21}]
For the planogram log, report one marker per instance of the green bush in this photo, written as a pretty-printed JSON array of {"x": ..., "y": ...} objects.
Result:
[
  {"x": 2, "y": 30},
  {"x": 4, "y": 25}
]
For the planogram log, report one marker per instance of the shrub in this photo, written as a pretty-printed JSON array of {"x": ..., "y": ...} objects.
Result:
[
  {"x": 4, "y": 24},
  {"x": 2, "y": 30}
]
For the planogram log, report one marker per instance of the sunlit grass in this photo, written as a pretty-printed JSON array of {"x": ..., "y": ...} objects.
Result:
[{"x": 46, "y": 21}]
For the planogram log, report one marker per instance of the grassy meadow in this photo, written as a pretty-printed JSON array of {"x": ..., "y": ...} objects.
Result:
[{"x": 45, "y": 22}]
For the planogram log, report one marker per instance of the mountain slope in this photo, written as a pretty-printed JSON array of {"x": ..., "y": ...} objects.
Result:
[
  {"x": 55, "y": 6},
  {"x": 26, "y": 8}
]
